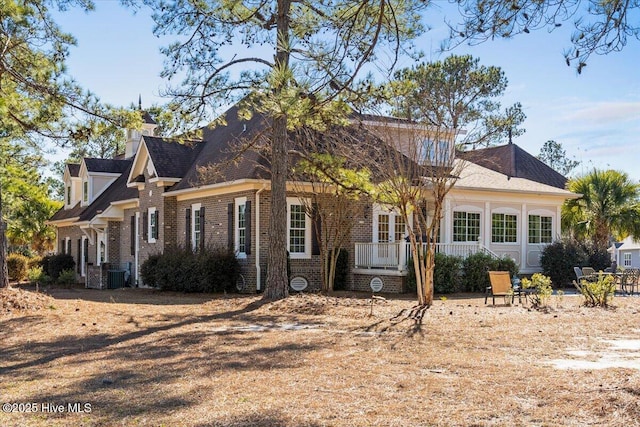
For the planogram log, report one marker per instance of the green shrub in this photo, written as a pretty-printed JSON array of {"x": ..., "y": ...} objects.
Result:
[
  {"x": 598, "y": 293},
  {"x": 36, "y": 275},
  {"x": 53, "y": 265},
  {"x": 148, "y": 270},
  {"x": 67, "y": 277},
  {"x": 17, "y": 266},
  {"x": 542, "y": 285},
  {"x": 342, "y": 271},
  {"x": 447, "y": 275},
  {"x": 598, "y": 258},
  {"x": 178, "y": 269},
  {"x": 476, "y": 269},
  {"x": 559, "y": 258}
]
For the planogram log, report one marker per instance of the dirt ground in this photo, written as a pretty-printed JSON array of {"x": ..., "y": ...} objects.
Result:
[{"x": 134, "y": 357}]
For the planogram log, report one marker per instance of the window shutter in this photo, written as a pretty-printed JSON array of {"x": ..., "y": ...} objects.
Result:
[
  {"x": 85, "y": 251},
  {"x": 145, "y": 226},
  {"x": 247, "y": 225},
  {"x": 202, "y": 228},
  {"x": 62, "y": 246},
  {"x": 187, "y": 229},
  {"x": 230, "y": 226},
  {"x": 69, "y": 246},
  {"x": 316, "y": 230},
  {"x": 132, "y": 244},
  {"x": 79, "y": 261}
]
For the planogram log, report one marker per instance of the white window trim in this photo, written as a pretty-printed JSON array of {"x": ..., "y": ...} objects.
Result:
[
  {"x": 86, "y": 198},
  {"x": 541, "y": 212},
  {"x": 150, "y": 213},
  {"x": 507, "y": 211},
  {"x": 307, "y": 228},
  {"x": 626, "y": 259},
  {"x": 195, "y": 207},
  {"x": 239, "y": 201},
  {"x": 467, "y": 209}
]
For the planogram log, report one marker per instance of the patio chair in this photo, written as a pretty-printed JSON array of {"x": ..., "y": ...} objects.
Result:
[
  {"x": 588, "y": 271},
  {"x": 629, "y": 280},
  {"x": 578, "y": 272},
  {"x": 501, "y": 286}
]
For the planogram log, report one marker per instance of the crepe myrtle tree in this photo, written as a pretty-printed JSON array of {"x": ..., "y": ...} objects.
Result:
[
  {"x": 440, "y": 106},
  {"x": 600, "y": 27},
  {"x": 332, "y": 172},
  {"x": 39, "y": 102},
  {"x": 293, "y": 61}
]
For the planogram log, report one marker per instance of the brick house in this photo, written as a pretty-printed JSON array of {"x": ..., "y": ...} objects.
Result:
[{"x": 163, "y": 193}]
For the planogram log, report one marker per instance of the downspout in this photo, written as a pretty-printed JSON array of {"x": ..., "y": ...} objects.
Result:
[{"x": 257, "y": 227}]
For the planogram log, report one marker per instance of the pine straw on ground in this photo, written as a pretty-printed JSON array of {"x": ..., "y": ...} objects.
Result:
[
  {"x": 15, "y": 299},
  {"x": 147, "y": 358}
]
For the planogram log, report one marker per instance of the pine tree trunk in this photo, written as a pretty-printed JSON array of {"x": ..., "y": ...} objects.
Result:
[
  {"x": 277, "y": 279},
  {"x": 4, "y": 272}
]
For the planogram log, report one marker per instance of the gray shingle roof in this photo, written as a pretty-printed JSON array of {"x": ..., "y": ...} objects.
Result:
[
  {"x": 106, "y": 165},
  {"x": 219, "y": 151},
  {"x": 170, "y": 158},
  {"x": 68, "y": 213},
  {"x": 513, "y": 161}
]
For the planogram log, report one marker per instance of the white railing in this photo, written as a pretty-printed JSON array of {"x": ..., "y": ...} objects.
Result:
[{"x": 395, "y": 255}]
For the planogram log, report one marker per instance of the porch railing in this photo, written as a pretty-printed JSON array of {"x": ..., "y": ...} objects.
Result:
[{"x": 395, "y": 255}]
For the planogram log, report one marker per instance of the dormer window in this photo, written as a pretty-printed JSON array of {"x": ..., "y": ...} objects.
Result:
[
  {"x": 85, "y": 191},
  {"x": 68, "y": 195},
  {"x": 437, "y": 153}
]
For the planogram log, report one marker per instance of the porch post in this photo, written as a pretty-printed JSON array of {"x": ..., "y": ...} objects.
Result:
[{"x": 402, "y": 256}]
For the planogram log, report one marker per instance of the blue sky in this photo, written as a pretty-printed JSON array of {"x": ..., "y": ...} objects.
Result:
[{"x": 595, "y": 115}]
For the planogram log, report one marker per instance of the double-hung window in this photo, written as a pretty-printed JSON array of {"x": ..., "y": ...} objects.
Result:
[
  {"x": 153, "y": 225},
  {"x": 504, "y": 228},
  {"x": 626, "y": 261},
  {"x": 196, "y": 226},
  {"x": 240, "y": 244},
  {"x": 466, "y": 226},
  {"x": 540, "y": 229},
  {"x": 298, "y": 229}
]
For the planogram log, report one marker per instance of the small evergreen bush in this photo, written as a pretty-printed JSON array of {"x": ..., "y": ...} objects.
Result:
[
  {"x": 447, "y": 275},
  {"x": 598, "y": 293},
  {"x": 37, "y": 275},
  {"x": 542, "y": 285},
  {"x": 53, "y": 265},
  {"x": 148, "y": 270},
  {"x": 559, "y": 258},
  {"x": 67, "y": 277},
  {"x": 17, "y": 266},
  {"x": 181, "y": 270}
]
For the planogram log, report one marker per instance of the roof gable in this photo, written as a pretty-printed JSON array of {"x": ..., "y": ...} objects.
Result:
[
  {"x": 219, "y": 149},
  {"x": 116, "y": 191}
]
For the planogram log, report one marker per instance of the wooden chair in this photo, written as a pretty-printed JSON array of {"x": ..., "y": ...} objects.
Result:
[{"x": 501, "y": 286}]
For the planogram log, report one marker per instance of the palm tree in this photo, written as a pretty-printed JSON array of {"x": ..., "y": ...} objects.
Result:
[{"x": 609, "y": 207}]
